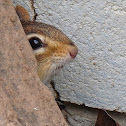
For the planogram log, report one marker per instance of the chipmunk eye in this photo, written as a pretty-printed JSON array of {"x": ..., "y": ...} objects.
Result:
[{"x": 35, "y": 43}]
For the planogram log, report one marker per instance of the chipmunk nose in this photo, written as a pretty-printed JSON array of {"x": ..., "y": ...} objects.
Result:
[{"x": 73, "y": 52}]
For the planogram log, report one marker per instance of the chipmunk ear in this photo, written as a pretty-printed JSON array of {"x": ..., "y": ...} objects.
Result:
[{"x": 22, "y": 13}]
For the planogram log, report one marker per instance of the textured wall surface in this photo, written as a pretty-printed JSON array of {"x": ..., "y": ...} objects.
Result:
[{"x": 97, "y": 77}]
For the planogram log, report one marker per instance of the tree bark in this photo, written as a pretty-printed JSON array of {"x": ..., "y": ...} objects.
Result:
[{"x": 24, "y": 100}]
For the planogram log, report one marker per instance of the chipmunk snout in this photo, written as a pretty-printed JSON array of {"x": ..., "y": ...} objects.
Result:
[{"x": 73, "y": 52}]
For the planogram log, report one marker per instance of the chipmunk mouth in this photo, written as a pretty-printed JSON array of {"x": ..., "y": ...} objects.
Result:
[
  {"x": 59, "y": 67},
  {"x": 59, "y": 64}
]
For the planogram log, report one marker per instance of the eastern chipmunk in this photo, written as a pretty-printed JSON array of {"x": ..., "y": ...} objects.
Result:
[{"x": 52, "y": 48}]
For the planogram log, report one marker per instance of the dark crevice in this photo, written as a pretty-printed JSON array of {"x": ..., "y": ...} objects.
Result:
[
  {"x": 59, "y": 102},
  {"x": 64, "y": 104},
  {"x": 35, "y": 14}
]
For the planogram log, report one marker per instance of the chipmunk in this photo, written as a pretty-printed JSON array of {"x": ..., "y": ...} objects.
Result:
[{"x": 52, "y": 48}]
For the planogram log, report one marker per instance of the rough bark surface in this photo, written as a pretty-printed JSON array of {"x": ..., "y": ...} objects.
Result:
[{"x": 24, "y": 100}]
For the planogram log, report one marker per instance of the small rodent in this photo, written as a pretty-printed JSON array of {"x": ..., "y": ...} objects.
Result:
[{"x": 52, "y": 48}]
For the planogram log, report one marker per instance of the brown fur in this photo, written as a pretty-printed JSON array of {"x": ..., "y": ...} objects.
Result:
[
  {"x": 47, "y": 30},
  {"x": 58, "y": 44},
  {"x": 22, "y": 13}
]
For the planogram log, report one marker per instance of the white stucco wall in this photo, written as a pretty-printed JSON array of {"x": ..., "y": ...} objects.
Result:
[{"x": 97, "y": 77}]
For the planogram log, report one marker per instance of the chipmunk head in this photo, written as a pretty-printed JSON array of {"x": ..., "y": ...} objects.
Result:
[{"x": 52, "y": 48}]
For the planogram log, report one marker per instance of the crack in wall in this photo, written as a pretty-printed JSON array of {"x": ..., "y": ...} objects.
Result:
[
  {"x": 57, "y": 97},
  {"x": 35, "y": 13},
  {"x": 60, "y": 103},
  {"x": 73, "y": 113},
  {"x": 68, "y": 110}
]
